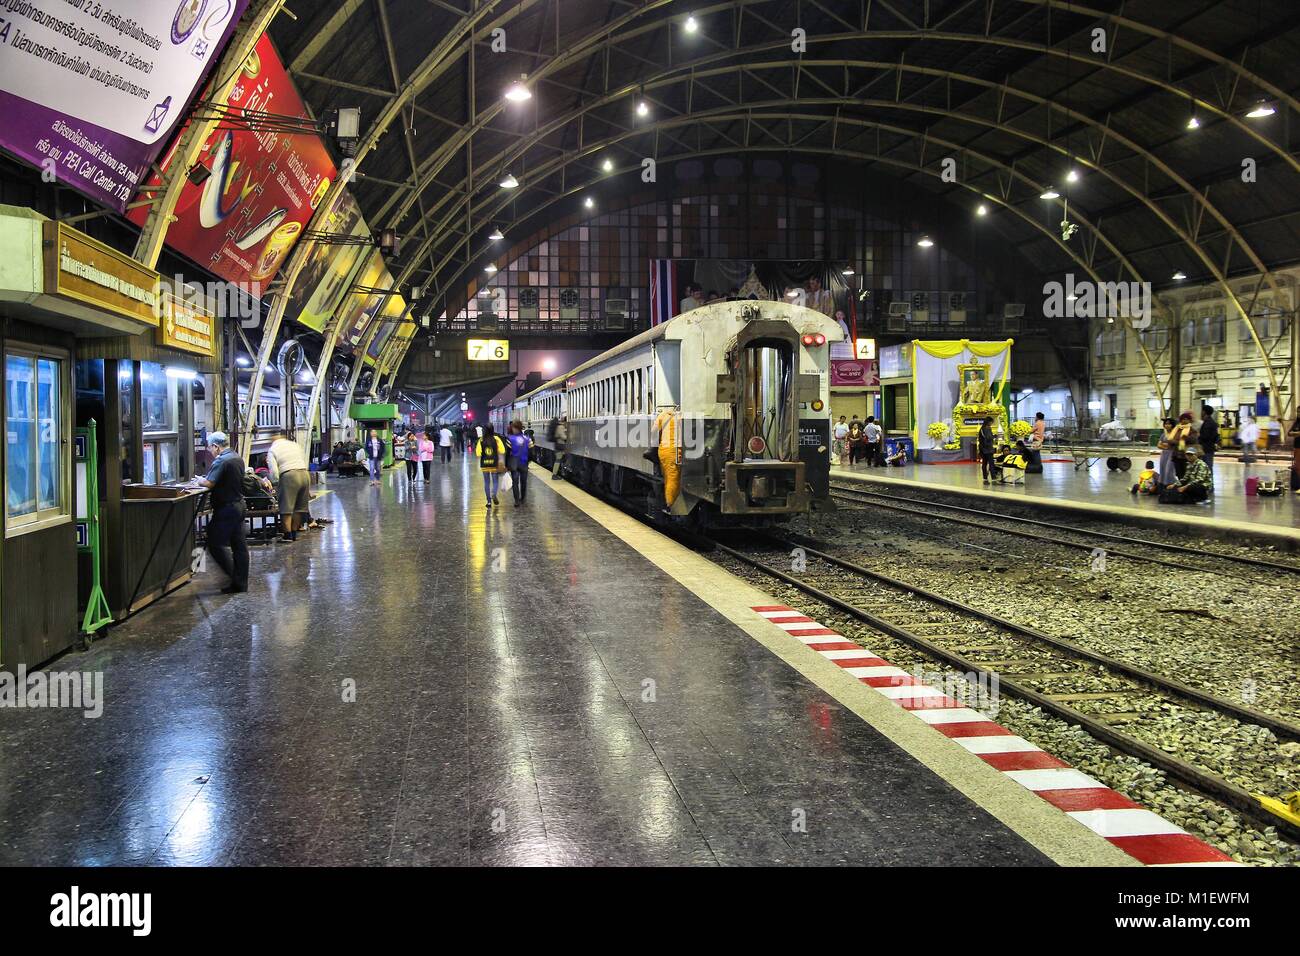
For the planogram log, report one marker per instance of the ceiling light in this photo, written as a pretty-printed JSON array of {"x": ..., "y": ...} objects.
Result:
[
  {"x": 607, "y": 165},
  {"x": 518, "y": 92},
  {"x": 848, "y": 271},
  {"x": 1193, "y": 122},
  {"x": 173, "y": 372},
  {"x": 925, "y": 242},
  {"x": 642, "y": 109},
  {"x": 243, "y": 362},
  {"x": 981, "y": 210},
  {"x": 1072, "y": 176},
  {"x": 509, "y": 182},
  {"x": 496, "y": 235},
  {"x": 490, "y": 268},
  {"x": 691, "y": 24},
  {"x": 1049, "y": 193},
  {"x": 1262, "y": 108},
  {"x": 1180, "y": 275},
  {"x": 792, "y": 294},
  {"x": 589, "y": 202}
]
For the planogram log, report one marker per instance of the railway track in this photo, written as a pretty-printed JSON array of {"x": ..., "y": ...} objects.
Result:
[
  {"x": 1142, "y": 548},
  {"x": 1052, "y": 673}
]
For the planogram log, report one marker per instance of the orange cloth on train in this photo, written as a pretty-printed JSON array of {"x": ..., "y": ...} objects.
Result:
[{"x": 666, "y": 425}]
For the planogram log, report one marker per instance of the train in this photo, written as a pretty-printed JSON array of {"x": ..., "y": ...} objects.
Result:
[{"x": 717, "y": 418}]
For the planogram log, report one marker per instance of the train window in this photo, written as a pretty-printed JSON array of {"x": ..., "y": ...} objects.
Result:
[{"x": 640, "y": 386}]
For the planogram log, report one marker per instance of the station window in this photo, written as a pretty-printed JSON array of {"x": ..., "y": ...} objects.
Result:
[{"x": 36, "y": 436}]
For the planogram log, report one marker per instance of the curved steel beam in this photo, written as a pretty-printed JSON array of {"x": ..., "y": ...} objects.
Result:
[
  {"x": 1153, "y": 207},
  {"x": 441, "y": 157},
  {"x": 1069, "y": 6},
  {"x": 839, "y": 151},
  {"x": 433, "y": 66}
]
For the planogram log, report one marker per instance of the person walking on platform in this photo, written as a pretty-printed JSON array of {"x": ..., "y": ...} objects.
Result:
[
  {"x": 1197, "y": 483},
  {"x": 873, "y": 434},
  {"x": 519, "y": 449},
  {"x": 985, "y": 447},
  {"x": 560, "y": 439},
  {"x": 1209, "y": 436},
  {"x": 840, "y": 442},
  {"x": 444, "y": 444},
  {"x": 288, "y": 467},
  {"x": 226, "y": 529},
  {"x": 491, "y": 452},
  {"x": 425, "y": 451},
  {"x": 375, "y": 455},
  {"x": 1248, "y": 438},
  {"x": 410, "y": 449}
]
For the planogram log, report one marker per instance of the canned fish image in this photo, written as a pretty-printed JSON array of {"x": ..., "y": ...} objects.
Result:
[{"x": 276, "y": 248}]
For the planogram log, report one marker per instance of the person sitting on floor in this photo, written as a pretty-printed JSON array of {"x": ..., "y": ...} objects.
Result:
[
  {"x": 1197, "y": 483},
  {"x": 1148, "y": 482},
  {"x": 1012, "y": 465},
  {"x": 899, "y": 458}
]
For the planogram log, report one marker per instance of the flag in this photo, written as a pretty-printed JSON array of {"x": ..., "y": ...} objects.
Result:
[
  {"x": 853, "y": 321},
  {"x": 663, "y": 290}
]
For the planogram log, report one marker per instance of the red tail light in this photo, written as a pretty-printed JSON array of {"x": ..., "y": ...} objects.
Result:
[
  {"x": 820, "y": 339},
  {"x": 812, "y": 339}
]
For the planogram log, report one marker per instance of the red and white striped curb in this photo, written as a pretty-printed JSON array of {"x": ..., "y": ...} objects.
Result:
[{"x": 1143, "y": 835}]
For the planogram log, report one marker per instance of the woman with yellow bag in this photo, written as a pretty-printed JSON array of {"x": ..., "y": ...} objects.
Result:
[{"x": 491, "y": 452}]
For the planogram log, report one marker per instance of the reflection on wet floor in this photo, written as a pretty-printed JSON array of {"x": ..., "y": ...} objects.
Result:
[{"x": 427, "y": 682}]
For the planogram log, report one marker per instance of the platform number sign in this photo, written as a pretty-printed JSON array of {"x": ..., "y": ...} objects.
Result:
[{"x": 488, "y": 350}]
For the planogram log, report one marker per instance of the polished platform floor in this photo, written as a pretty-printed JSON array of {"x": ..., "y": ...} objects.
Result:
[
  {"x": 1109, "y": 490},
  {"x": 528, "y": 690}
]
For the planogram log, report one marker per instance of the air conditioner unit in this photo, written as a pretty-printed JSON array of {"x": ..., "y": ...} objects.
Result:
[
  {"x": 528, "y": 299},
  {"x": 956, "y": 308},
  {"x": 487, "y": 322},
  {"x": 616, "y": 314},
  {"x": 1013, "y": 310},
  {"x": 569, "y": 304},
  {"x": 899, "y": 309},
  {"x": 920, "y": 307},
  {"x": 896, "y": 323}
]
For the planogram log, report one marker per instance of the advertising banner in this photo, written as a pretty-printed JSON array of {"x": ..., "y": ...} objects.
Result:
[
  {"x": 322, "y": 285},
  {"x": 92, "y": 91},
  {"x": 360, "y": 306},
  {"x": 852, "y": 372},
  {"x": 243, "y": 220},
  {"x": 392, "y": 313}
]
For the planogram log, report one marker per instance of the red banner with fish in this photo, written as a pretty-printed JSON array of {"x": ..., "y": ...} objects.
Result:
[{"x": 241, "y": 222}]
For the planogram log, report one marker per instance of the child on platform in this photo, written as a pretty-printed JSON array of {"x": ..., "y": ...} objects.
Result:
[{"x": 1148, "y": 481}]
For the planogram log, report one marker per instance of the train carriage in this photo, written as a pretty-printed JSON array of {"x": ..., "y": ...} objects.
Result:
[{"x": 718, "y": 417}]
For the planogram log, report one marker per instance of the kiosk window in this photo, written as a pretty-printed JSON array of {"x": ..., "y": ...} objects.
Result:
[{"x": 35, "y": 435}]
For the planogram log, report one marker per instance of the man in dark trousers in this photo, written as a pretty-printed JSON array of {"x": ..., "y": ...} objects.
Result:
[
  {"x": 1209, "y": 436},
  {"x": 986, "y": 449},
  {"x": 225, "y": 479}
]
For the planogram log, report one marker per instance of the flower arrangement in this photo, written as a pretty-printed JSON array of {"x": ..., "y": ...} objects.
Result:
[
  {"x": 1021, "y": 429},
  {"x": 937, "y": 431}
]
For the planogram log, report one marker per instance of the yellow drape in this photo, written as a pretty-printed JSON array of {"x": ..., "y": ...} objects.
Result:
[{"x": 951, "y": 348}]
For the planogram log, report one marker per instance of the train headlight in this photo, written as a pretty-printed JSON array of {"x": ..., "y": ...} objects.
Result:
[
  {"x": 756, "y": 445},
  {"x": 818, "y": 405}
]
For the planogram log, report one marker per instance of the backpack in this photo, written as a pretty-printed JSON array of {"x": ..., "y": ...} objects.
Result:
[{"x": 489, "y": 458}]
